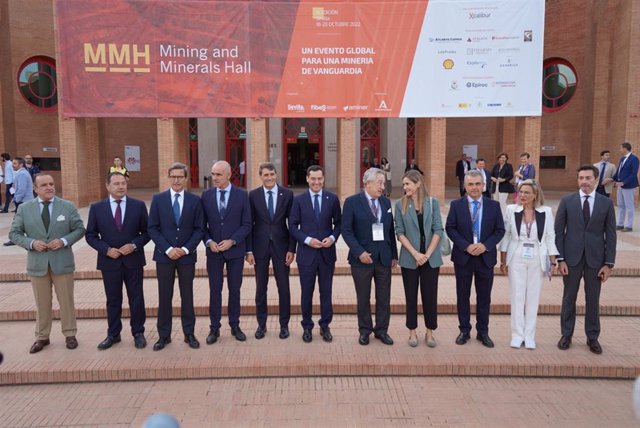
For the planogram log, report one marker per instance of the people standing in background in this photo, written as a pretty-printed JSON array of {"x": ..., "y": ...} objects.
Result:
[
  {"x": 119, "y": 167},
  {"x": 242, "y": 167},
  {"x": 486, "y": 177},
  {"x": 22, "y": 187},
  {"x": 462, "y": 166},
  {"x": 501, "y": 176},
  {"x": 626, "y": 179},
  {"x": 8, "y": 181},
  {"x": 606, "y": 171},
  {"x": 386, "y": 167},
  {"x": 419, "y": 230},
  {"x": 528, "y": 255},
  {"x": 414, "y": 166},
  {"x": 32, "y": 168}
]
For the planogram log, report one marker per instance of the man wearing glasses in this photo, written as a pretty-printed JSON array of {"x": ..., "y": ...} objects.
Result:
[{"x": 176, "y": 226}]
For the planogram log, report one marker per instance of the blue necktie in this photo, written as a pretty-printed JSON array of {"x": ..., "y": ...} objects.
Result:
[
  {"x": 474, "y": 217},
  {"x": 316, "y": 206},
  {"x": 223, "y": 203},
  {"x": 176, "y": 208},
  {"x": 270, "y": 204}
]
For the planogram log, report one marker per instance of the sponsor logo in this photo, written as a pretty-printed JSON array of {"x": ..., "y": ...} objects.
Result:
[
  {"x": 463, "y": 105},
  {"x": 448, "y": 64},
  {"x": 494, "y": 104},
  {"x": 479, "y": 51},
  {"x": 505, "y": 37},
  {"x": 447, "y": 52},
  {"x": 355, "y": 108},
  {"x": 383, "y": 106},
  {"x": 477, "y": 39},
  {"x": 477, "y": 85},
  {"x": 117, "y": 58},
  {"x": 508, "y": 50},
  {"x": 445, "y": 39},
  {"x": 481, "y": 64},
  {"x": 322, "y": 14},
  {"x": 323, "y": 107},
  {"x": 508, "y": 64},
  {"x": 295, "y": 107},
  {"x": 454, "y": 85},
  {"x": 479, "y": 15},
  {"x": 528, "y": 35},
  {"x": 504, "y": 83}
]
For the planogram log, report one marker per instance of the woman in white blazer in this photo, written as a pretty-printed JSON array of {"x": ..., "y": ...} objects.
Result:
[{"x": 528, "y": 254}]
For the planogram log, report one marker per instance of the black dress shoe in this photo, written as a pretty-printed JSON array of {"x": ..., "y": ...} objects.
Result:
[
  {"x": 363, "y": 339},
  {"x": 462, "y": 338},
  {"x": 38, "y": 346},
  {"x": 8, "y": 244},
  {"x": 326, "y": 334},
  {"x": 307, "y": 337},
  {"x": 485, "y": 339},
  {"x": 284, "y": 332},
  {"x": 108, "y": 342},
  {"x": 238, "y": 334},
  {"x": 139, "y": 341},
  {"x": 594, "y": 346},
  {"x": 261, "y": 332},
  {"x": 214, "y": 334},
  {"x": 192, "y": 341},
  {"x": 161, "y": 343},
  {"x": 564, "y": 343},
  {"x": 384, "y": 338}
]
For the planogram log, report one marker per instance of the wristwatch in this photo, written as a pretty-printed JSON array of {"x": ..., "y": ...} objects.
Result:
[{"x": 610, "y": 265}]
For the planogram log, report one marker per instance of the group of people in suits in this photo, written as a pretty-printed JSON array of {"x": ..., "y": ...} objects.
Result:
[{"x": 269, "y": 226}]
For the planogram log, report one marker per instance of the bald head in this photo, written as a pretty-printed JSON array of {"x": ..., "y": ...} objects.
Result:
[{"x": 221, "y": 174}]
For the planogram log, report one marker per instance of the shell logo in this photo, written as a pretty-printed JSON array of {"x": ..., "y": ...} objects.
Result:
[{"x": 447, "y": 64}]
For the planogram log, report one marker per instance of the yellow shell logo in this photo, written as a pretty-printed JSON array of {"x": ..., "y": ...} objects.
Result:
[{"x": 447, "y": 64}]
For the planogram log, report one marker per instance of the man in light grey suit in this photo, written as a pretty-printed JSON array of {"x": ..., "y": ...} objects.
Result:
[
  {"x": 585, "y": 230},
  {"x": 47, "y": 227},
  {"x": 606, "y": 171}
]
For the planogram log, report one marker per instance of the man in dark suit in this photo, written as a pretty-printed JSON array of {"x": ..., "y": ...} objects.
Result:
[
  {"x": 270, "y": 240},
  {"x": 462, "y": 166},
  {"x": 228, "y": 224},
  {"x": 368, "y": 230},
  {"x": 475, "y": 226},
  {"x": 626, "y": 181},
  {"x": 486, "y": 178},
  {"x": 585, "y": 230},
  {"x": 117, "y": 229},
  {"x": 315, "y": 224},
  {"x": 176, "y": 226},
  {"x": 414, "y": 166}
]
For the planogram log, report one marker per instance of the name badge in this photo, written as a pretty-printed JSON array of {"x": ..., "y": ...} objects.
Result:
[
  {"x": 378, "y": 231},
  {"x": 527, "y": 250}
]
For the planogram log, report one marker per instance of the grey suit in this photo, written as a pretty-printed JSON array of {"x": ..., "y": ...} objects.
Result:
[
  {"x": 585, "y": 248},
  {"x": 50, "y": 267}
]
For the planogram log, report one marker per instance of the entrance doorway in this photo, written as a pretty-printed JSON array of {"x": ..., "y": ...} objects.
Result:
[
  {"x": 303, "y": 147},
  {"x": 235, "y": 130}
]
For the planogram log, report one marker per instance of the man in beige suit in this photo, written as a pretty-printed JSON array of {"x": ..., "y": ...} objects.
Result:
[
  {"x": 47, "y": 227},
  {"x": 606, "y": 169}
]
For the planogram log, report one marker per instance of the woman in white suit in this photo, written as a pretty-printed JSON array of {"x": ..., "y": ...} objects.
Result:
[{"x": 528, "y": 254}]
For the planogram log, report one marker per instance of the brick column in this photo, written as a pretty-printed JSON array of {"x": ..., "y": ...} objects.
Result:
[
  {"x": 348, "y": 160},
  {"x": 258, "y": 151},
  {"x": 431, "y": 148},
  {"x": 79, "y": 153},
  {"x": 528, "y": 132},
  {"x": 506, "y": 140},
  {"x": 173, "y": 146}
]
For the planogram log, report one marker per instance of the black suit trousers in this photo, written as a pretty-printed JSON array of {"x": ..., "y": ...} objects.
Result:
[
  {"x": 362, "y": 276},
  {"x": 166, "y": 279},
  {"x": 215, "y": 270},
  {"x": 592, "y": 285},
  {"x": 465, "y": 274},
  {"x": 424, "y": 278},
  {"x": 281, "y": 273},
  {"x": 324, "y": 272},
  {"x": 133, "y": 280}
]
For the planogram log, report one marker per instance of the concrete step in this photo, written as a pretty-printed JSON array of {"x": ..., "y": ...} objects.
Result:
[
  {"x": 620, "y": 297},
  {"x": 273, "y": 357}
]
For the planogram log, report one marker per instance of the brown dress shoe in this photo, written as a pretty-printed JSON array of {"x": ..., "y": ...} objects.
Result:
[
  {"x": 72, "y": 342},
  {"x": 38, "y": 346}
]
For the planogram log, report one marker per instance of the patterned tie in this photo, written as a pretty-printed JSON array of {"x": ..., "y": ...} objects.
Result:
[
  {"x": 223, "y": 203},
  {"x": 176, "y": 208},
  {"x": 316, "y": 206},
  {"x": 474, "y": 217},
  {"x": 374, "y": 208},
  {"x": 586, "y": 213},
  {"x": 46, "y": 216},
  {"x": 118, "y": 216},
  {"x": 270, "y": 204}
]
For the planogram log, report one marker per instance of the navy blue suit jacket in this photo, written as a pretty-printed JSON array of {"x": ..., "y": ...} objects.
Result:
[
  {"x": 303, "y": 224},
  {"x": 264, "y": 229},
  {"x": 235, "y": 225},
  {"x": 165, "y": 233},
  {"x": 357, "y": 221},
  {"x": 102, "y": 233},
  {"x": 629, "y": 172},
  {"x": 460, "y": 230}
]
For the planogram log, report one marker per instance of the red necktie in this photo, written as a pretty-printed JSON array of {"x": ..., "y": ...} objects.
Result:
[{"x": 118, "y": 216}]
